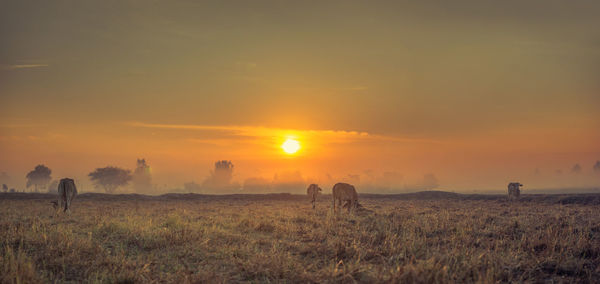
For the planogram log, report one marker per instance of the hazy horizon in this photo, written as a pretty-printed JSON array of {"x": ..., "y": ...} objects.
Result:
[
  {"x": 380, "y": 94},
  {"x": 294, "y": 181}
]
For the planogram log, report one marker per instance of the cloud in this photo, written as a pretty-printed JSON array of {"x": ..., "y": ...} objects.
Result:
[
  {"x": 23, "y": 66},
  {"x": 253, "y": 131},
  {"x": 332, "y": 136}
]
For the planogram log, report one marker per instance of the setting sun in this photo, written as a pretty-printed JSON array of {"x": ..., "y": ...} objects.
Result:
[{"x": 290, "y": 146}]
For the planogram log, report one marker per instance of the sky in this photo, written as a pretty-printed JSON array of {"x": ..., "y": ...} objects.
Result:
[{"x": 478, "y": 93}]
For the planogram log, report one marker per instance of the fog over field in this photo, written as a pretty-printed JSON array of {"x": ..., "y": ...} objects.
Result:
[{"x": 224, "y": 178}]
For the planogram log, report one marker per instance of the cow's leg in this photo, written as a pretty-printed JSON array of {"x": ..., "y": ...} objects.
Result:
[
  {"x": 313, "y": 203},
  {"x": 334, "y": 204},
  {"x": 68, "y": 204}
]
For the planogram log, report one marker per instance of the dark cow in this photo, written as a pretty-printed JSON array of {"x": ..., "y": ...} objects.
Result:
[
  {"x": 513, "y": 190},
  {"x": 66, "y": 192}
]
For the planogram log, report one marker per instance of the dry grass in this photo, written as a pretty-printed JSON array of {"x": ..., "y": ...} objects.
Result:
[{"x": 225, "y": 240}]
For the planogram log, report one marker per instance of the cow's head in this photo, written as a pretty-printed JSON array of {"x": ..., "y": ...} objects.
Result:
[{"x": 315, "y": 187}]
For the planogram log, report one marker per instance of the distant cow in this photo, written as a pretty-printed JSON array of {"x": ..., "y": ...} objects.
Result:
[
  {"x": 312, "y": 192},
  {"x": 66, "y": 193},
  {"x": 513, "y": 190},
  {"x": 345, "y": 192}
]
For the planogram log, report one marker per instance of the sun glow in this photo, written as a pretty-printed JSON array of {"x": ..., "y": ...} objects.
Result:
[{"x": 290, "y": 146}]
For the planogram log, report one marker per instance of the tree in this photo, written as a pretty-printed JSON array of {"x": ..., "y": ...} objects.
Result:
[
  {"x": 221, "y": 176},
  {"x": 4, "y": 188},
  {"x": 110, "y": 178},
  {"x": 142, "y": 176},
  {"x": 39, "y": 177}
]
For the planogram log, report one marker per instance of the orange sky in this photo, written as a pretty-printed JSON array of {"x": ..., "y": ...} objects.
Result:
[
  {"x": 183, "y": 153},
  {"x": 478, "y": 93}
]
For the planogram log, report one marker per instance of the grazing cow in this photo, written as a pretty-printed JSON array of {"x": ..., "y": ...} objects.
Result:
[
  {"x": 345, "y": 192},
  {"x": 66, "y": 193},
  {"x": 513, "y": 190},
  {"x": 312, "y": 192}
]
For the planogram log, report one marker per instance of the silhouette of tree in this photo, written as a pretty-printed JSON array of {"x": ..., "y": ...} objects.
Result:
[
  {"x": 39, "y": 177},
  {"x": 12, "y": 190},
  {"x": 142, "y": 176},
  {"x": 597, "y": 167},
  {"x": 221, "y": 176},
  {"x": 576, "y": 169},
  {"x": 110, "y": 178},
  {"x": 4, "y": 188}
]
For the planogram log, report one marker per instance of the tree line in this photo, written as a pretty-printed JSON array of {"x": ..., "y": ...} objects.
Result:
[
  {"x": 108, "y": 178},
  {"x": 111, "y": 178}
]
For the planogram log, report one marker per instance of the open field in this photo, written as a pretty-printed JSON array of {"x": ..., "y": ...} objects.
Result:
[{"x": 424, "y": 237}]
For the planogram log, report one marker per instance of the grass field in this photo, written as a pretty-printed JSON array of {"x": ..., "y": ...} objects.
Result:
[{"x": 280, "y": 238}]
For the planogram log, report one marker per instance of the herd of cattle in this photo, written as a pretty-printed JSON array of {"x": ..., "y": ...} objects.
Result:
[{"x": 341, "y": 192}]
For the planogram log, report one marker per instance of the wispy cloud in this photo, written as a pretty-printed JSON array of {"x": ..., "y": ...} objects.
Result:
[
  {"x": 261, "y": 131},
  {"x": 250, "y": 130},
  {"x": 23, "y": 66}
]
